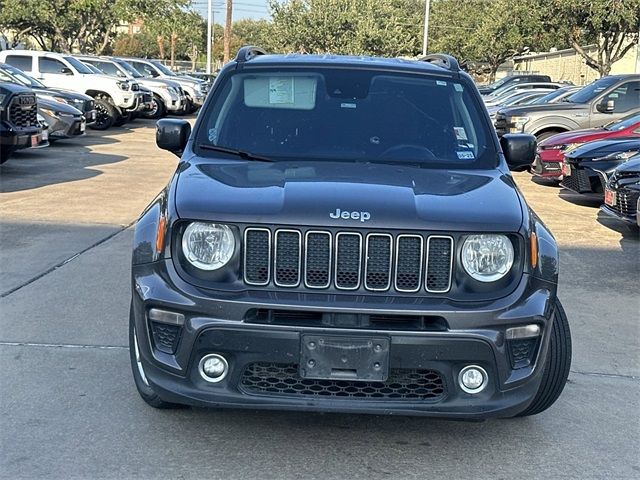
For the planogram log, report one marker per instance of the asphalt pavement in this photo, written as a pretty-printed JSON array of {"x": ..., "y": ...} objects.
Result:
[{"x": 69, "y": 408}]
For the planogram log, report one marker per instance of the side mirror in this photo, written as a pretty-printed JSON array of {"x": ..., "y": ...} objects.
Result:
[
  {"x": 519, "y": 150},
  {"x": 172, "y": 135},
  {"x": 66, "y": 71},
  {"x": 606, "y": 107}
]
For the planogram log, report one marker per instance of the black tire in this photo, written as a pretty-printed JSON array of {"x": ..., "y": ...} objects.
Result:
[
  {"x": 145, "y": 390},
  {"x": 122, "y": 119},
  {"x": 545, "y": 135},
  {"x": 158, "y": 109},
  {"x": 186, "y": 108},
  {"x": 105, "y": 115},
  {"x": 4, "y": 154},
  {"x": 557, "y": 364}
]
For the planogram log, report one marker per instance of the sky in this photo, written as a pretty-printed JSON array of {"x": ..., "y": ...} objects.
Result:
[{"x": 255, "y": 9}]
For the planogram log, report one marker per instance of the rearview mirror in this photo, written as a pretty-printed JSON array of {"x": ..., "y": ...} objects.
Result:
[
  {"x": 172, "y": 135},
  {"x": 606, "y": 107},
  {"x": 519, "y": 150}
]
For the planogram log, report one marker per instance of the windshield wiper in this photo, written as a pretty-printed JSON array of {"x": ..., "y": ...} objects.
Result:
[{"x": 238, "y": 153}]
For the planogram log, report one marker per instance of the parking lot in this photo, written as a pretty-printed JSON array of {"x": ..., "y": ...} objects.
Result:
[{"x": 70, "y": 409}]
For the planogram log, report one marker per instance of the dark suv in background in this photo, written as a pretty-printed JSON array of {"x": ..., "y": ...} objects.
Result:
[
  {"x": 19, "y": 126},
  {"x": 343, "y": 234},
  {"x": 510, "y": 80}
]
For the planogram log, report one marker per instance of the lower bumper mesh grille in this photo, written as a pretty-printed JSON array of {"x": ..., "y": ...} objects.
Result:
[
  {"x": 283, "y": 379},
  {"x": 578, "y": 181},
  {"x": 165, "y": 336}
]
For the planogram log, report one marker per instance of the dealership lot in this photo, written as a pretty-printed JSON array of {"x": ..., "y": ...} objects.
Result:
[{"x": 70, "y": 409}]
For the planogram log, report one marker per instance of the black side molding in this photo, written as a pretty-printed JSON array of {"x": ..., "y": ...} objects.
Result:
[{"x": 442, "y": 60}]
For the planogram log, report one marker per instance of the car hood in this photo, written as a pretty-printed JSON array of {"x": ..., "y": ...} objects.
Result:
[
  {"x": 58, "y": 107},
  {"x": 59, "y": 92},
  {"x": 576, "y": 136},
  {"x": 630, "y": 166},
  {"x": 544, "y": 108},
  {"x": 602, "y": 148},
  {"x": 307, "y": 192},
  {"x": 153, "y": 82}
]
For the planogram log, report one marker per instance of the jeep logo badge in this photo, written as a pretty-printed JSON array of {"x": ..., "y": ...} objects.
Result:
[{"x": 362, "y": 216}]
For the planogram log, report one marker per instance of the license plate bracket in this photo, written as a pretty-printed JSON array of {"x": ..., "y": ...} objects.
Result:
[{"x": 332, "y": 357}]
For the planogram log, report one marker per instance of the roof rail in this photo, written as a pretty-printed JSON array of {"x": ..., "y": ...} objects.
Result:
[
  {"x": 248, "y": 52},
  {"x": 442, "y": 60}
]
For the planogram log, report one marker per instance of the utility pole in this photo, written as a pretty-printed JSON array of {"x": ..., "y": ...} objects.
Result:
[
  {"x": 227, "y": 31},
  {"x": 427, "y": 7},
  {"x": 209, "y": 27}
]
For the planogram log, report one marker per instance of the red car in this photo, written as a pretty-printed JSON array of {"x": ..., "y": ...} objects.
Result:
[{"x": 550, "y": 153}]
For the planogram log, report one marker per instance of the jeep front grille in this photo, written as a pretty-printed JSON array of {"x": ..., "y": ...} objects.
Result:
[{"x": 348, "y": 261}]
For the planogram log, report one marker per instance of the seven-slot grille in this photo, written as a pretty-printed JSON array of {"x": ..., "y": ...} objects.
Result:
[{"x": 348, "y": 260}]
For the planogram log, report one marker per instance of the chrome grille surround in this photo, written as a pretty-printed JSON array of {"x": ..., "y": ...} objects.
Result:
[
  {"x": 428, "y": 262},
  {"x": 246, "y": 247},
  {"x": 367, "y": 258},
  {"x": 342, "y": 271},
  {"x": 345, "y": 260},
  {"x": 307, "y": 271}
]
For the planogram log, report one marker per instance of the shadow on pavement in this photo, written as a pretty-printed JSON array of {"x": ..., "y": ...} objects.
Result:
[{"x": 64, "y": 161}]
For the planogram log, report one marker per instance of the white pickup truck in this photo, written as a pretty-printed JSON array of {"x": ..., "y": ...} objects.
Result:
[{"x": 115, "y": 98}]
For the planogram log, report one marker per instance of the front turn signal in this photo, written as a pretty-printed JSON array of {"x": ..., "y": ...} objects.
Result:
[
  {"x": 533, "y": 242},
  {"x": 160, "y": 234}
]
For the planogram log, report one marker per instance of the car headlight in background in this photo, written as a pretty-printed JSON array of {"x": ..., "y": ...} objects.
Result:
[
  {"x": 123, "y": 85},
  {"x": 618, "y": 156},
  {"x": 518, "y": 124},
  {"x": 487, "y": 257},
  {"x": 208, "y": 246},
  {"x": 572, "y": 146}
]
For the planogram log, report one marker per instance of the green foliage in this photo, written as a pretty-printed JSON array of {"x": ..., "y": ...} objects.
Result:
[
  {"x": 612, "y": 24},
  {"x": 489, "y": 32},
  {"x": 360, "y": 27}
]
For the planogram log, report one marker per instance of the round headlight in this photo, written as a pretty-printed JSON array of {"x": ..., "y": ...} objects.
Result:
[
  {"x": 208, "y": 246},
  {"x": 487, "y": 258}
]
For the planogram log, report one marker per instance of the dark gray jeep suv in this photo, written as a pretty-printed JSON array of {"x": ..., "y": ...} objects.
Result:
[{"x": 343, "y": 234}]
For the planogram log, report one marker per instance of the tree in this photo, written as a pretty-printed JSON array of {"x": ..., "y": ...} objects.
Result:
[
  {"x": 360, "y": 27},
  {"x": 63, "y": 24},
  {"x": 489, "y": 32},
  {"x": 612, "y": 24}
]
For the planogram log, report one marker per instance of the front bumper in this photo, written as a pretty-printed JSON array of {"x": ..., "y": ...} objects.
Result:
[
  {"x": 17, "y": 139},
  {"x": 66, "y": 127},
  {"x": 216, "y": 322},
  {"x": 548, "y": 164}
]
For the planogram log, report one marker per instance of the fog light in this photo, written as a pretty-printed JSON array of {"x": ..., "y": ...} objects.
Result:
[
  {"x": 473, "y": 379},
  {"x": 213, "y": 368}
]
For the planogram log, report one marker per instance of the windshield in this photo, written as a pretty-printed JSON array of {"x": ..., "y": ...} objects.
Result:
[
  {"x": 78, "y": 65},
  {"x": 550, "y": 96},
  {"x": 134, "y": 73},
  {"x": 591, "y": 91},
  {"x": 21, "y": 77},
  {"x": 623, "y": 123},
  {"x": 163, "y": 69},
  {"x": 348, "y": 115}
]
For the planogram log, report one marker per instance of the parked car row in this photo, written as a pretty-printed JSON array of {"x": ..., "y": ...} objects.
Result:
[
  {"x": 588, "y": 138},
  {"x": 73, "y": 92}
]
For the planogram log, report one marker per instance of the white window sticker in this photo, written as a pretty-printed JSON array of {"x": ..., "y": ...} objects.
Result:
[
  {"x": 441, "y": 83},
  {"x": 460, "y": 133},
  {"x": 280, "y": 90},
  {"x": 347, "y": 105},
  {"x": 458, "y": 87},
  {"x": 465, "y": 155}
]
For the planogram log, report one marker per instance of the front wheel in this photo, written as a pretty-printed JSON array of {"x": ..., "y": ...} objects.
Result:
[
  {"x": 557, "y": 364},
  {"x": 139, "y": 377},
  {"x": 157, "y": 109},
  {"x": 105, "y": 115}
]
